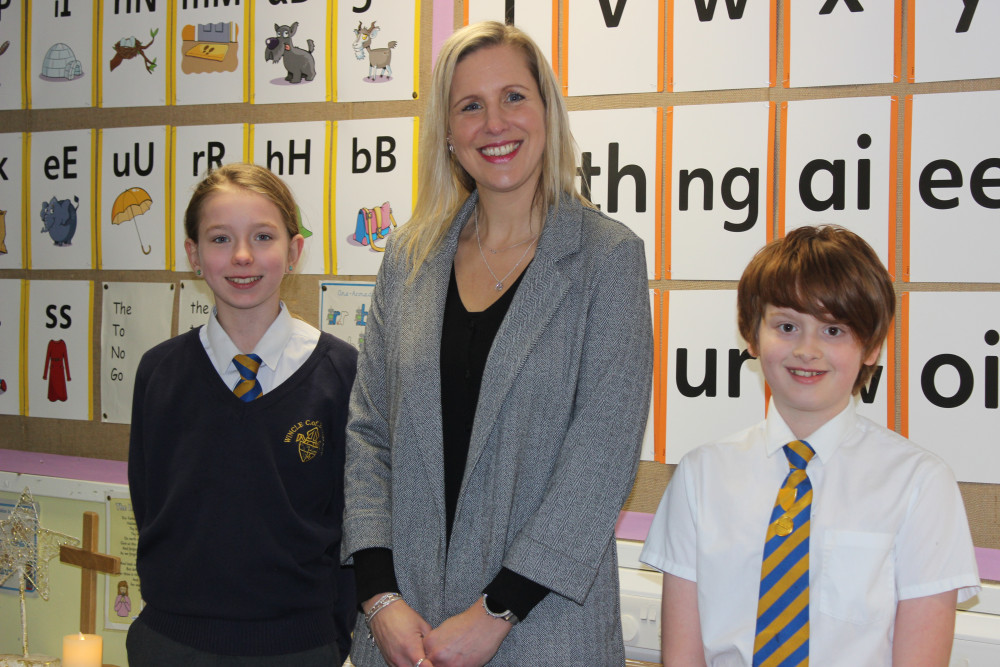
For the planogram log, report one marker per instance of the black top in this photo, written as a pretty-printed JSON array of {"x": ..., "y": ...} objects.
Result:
[
  {"x": 239, "y": 505},
  {"x": 466, "y": 339}
]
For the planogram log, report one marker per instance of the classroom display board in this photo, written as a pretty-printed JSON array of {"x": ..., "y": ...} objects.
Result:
[{"x": 708, "y": 128}]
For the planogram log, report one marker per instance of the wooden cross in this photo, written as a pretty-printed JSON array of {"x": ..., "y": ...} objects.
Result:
[{"x": 91, "y": 561}]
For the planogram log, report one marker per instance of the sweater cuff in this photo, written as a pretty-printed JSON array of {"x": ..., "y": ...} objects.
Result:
[
  {"x": 374, "y": 573},
  {"x": 510, "y": 590}
]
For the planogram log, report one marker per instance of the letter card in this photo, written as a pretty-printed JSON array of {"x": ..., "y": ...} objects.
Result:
[
  {"x": 378, "y": 55},
  {"x": 133, "y": 63},
  {"x": 60, "y": 229},
  {"x": 134, "y": 207},
  {"x": 343, "y": 310},
  {"x": 950, "y": 379},
  {"x": 210, "y": 47},
  {"x": 710, "y": 385},
  {"x": 59, "y": 346},
  {"x": 134, "y": 318},
  {"x": 836, "y": 42},
  {"x": 197, "y": 149},
  {"x": 196, "y": 304},
  {"x": 12, "y": 200},
  {"x": 722, "y": 45},
  {"x": 612, "y": 46},
  {"x": 537, "y": 19},
  {"x": 951, "y": 231},
  {"x": 12, "y": 71},
  {"x": 953, "y": 40},
  {"x": 291, "y": 51},
  {"x": 838, "y": 165},
  {"x": 375, "y": 181},
  {"x": 620, "y": 169},
  {"x": 10, "y": 346},
  {"x": 720, "y": 211},
  {"x": 61, "y": 67},
  {"x": 298, "y": 154}
]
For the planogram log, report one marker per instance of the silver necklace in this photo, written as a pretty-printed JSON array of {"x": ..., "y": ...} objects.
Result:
[{"x": 499, "y": 285}]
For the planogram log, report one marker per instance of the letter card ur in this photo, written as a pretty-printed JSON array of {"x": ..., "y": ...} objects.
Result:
[{"x": 709, "y": 384}]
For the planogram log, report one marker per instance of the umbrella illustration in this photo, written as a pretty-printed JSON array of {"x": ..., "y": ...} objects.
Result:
[{"x": 128, "y": 205}]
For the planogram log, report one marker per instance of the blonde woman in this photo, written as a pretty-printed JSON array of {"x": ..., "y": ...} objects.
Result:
[{"x": 503, "y": 390}]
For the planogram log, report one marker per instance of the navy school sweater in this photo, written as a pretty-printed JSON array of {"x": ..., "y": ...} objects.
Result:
[{"x": 239, "y": 505}]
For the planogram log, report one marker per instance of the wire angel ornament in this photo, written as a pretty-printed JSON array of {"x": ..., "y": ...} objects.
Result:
[{"x": 25, "y": 551}]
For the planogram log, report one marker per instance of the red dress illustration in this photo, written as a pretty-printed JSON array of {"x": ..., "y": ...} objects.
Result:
[{"x": 57, "y": 360}]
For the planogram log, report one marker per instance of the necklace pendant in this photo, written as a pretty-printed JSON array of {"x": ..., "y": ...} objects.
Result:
[{"x": 499, "y": 287}]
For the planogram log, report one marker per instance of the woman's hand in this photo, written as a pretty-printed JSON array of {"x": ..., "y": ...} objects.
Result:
[
  {"x": 469, "y": 639},
  {"x": 399, "y": 633}
]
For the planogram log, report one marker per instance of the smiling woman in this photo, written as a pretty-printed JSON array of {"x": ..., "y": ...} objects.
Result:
[{"x": 494, "y": 433}]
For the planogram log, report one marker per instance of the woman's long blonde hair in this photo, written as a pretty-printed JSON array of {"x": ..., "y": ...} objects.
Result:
[{"x": 443, "y": 185}]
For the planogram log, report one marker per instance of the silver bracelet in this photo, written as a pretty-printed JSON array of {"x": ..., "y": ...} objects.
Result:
[
  {"x": 379, "y": 605},
  {"x": 506, "y": 615}
]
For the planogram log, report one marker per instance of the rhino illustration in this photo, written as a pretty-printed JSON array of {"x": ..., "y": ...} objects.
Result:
[{"x": 59, "y": 220}]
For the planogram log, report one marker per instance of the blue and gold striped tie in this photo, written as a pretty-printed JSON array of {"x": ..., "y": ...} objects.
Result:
[
  {"x": 248, "y": 387},
  {"x": 783, "y": 609}
]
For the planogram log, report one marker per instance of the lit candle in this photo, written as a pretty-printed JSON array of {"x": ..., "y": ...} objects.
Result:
[{"x": 82, "y": 650}]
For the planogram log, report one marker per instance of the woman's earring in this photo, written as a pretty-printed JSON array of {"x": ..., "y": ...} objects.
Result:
[
  {"x": 197, "y": 272},
  {"x": 291, "y": 268},
  {"x": 451, "y": 147}
]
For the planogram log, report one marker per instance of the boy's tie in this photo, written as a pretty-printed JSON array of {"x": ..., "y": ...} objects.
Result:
[
  {"x": 783, "y": 609},
  {"x": 248, "y": 387}
]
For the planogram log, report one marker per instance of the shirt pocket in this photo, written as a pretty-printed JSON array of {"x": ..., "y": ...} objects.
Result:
[{"x": 858, "y": 579}]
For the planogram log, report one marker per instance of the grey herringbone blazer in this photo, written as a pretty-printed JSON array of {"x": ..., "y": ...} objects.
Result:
[{"x": 554, "y": 448}]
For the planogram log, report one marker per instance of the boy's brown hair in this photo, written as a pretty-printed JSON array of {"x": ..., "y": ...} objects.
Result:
[{"x": 828, "y": 272}]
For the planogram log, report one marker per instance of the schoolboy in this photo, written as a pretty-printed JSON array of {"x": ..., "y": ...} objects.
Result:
[{"x": 867, "y": 545}]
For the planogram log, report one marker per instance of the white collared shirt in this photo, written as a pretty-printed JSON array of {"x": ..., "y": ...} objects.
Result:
[
  {"x": 887, "y": 524},
  {"x": 283, "y": 349}
]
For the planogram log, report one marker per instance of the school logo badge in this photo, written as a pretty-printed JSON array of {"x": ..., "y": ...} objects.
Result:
[{"x": 307, "y": 436}]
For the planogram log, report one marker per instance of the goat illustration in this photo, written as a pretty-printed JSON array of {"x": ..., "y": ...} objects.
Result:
[{"x": 378, "y": 59}]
